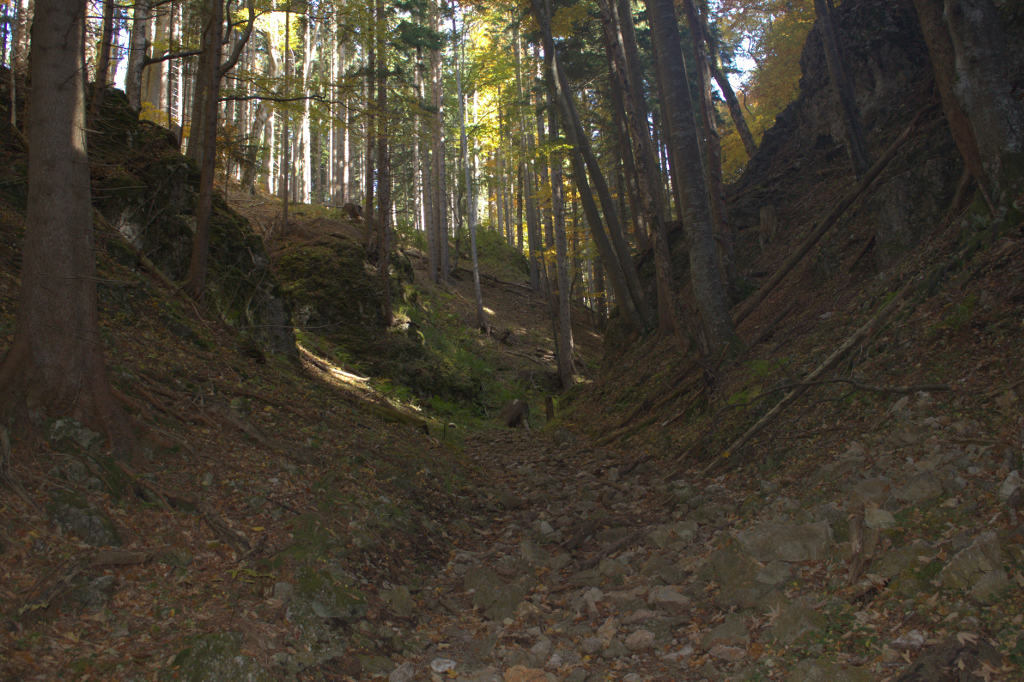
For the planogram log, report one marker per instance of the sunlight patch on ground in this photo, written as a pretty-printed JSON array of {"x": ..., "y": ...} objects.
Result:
[{"x": 333, "y": 370}]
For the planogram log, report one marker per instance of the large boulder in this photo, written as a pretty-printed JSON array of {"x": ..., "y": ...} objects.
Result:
[{"x": 150, "y": 197}]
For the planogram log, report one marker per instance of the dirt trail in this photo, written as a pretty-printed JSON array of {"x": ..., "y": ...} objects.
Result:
[{"x": 572, "y": 571}]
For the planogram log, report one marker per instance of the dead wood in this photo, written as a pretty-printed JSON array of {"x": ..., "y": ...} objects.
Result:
[
  {"x": 6, "y": 477},
  {"x": 813, "y": 379},
  {"x": 856, "y": 545},
  {"x": 222, "y": 530},
  {"x": 118, "y": 557},
  {"x": 128, "y": 401}
]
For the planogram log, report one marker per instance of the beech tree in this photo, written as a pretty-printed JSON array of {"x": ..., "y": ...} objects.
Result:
[
  {"x": 705, "y": 275},
  {"x": 55, "y": 364}
]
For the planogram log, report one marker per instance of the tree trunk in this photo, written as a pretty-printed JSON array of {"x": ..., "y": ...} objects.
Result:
[
  {"x": 383, "y": 172},
  {"x": 195, "y": 281},
  {"x": 55, "y": 364},
  {"x": 565, "y": 341},
  {"x": 158, "y": 72},
  {"x": 284, "y": 182},
  {"x": 943, "y": 56},
  {"x": 614, "y": 251},
  {"x": 670, "y": 315},
  {"x": 371, "y": 132},
  {"x": 986, "y": 93},
  {"x": 307, "y": 141},
  {"x": 858, "y": 146},
  {"x": 438, "y": 182},
  {"x": 706, "y": 279},
  {"x": 713, "y": 155},
  {"x": 99, "y": 87},
  {"x": 481, "y": 319},
  {"x": 715, "y": 64},
  {"x": 137, "y": 55}
]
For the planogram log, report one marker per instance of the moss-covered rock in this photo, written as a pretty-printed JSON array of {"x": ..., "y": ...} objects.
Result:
[
  {"x": 150, "y": 198},
  {"x": 77, "y": 516},
  {"x": 333, "y": 290},
  {"x": 212, "y": 658}
]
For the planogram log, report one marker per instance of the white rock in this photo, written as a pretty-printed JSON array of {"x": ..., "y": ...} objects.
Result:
[
  {"x": 913, "y": 641},
  {"x": 727, "y": 653},
  {"x": 607, "y": 631},
  {"x": 1011, "y": 484},
  {"x": 442, "y": 665},
  {"x": 878, "y": 519},
  {"x": 403, "y": 673},
  {"x": 640, "y": 640},
  {"x": 669, "y": 598}
]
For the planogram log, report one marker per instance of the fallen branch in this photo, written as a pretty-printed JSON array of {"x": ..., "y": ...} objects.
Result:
[
  {"x": 813, "y": 379},
  {"x": 222, "y": 530},
  {"x": 856, "y": 545},
  {"x": 117, "y": 557},
  {"x": 6, "y": 477},
  {"x": 831, "y": 219}
]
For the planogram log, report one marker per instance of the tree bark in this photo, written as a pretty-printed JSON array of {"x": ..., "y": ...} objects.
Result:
[
  {"x": 706, "y": 279},
  {"x": 99, "y": 87},
  {"x": 858, "y": 146},
  {"x": 383, "y": 173},
  {"x": 55, "y": 364},
  {"x": 286, "y": 159},
  {"x": 986, "y": 94},
  {"x": 713, "y": 155},
  {"x": 439, "y": 201},
  {"x": 670, "y": 313},
  {"x": 565, "y": 340},
  {"x": 195, "y": 280},
  {"x": 195, "y": 284},
  {"x": 481, "y": 319},
  {"x": 137, "y": 55}
]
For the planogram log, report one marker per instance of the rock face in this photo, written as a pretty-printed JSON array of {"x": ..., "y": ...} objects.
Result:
[
  {"x": 74, "y": 514},
  {"x": 888, "y": 66},
  {"x": 152, "y": 203}
]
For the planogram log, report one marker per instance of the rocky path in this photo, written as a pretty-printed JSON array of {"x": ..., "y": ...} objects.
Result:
[{"x": 574, "y": 572}]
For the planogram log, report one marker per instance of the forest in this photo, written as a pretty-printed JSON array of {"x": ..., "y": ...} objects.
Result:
[{"x": 511, "y": 341}]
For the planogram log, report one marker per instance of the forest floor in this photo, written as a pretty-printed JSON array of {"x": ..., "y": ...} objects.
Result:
[{"x": 280, "y": 528}]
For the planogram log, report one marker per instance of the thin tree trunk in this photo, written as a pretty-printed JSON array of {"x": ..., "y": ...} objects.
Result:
[
  {"x": 307, "y": 141},
  {"x": 99, "y": 87},
  {"x": 616, "y": 256},
  {"x": 137, "y": 55},
  {"x": 565, "y": 340},
  {"x": 195, "y": 283},
  {"x": 437, "y": 158},
  {"x": 669, "y": 311},
  {"x": 283, "y": 184},
  {"x": 858, "y": 146},
  {"x": 481, "y": 319},
  {"x": 715, "y": 64},
  {"x": 726, "y": 237},
  {"x": 988, "y": 97},
  {"x": 383, "y": 170}
]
